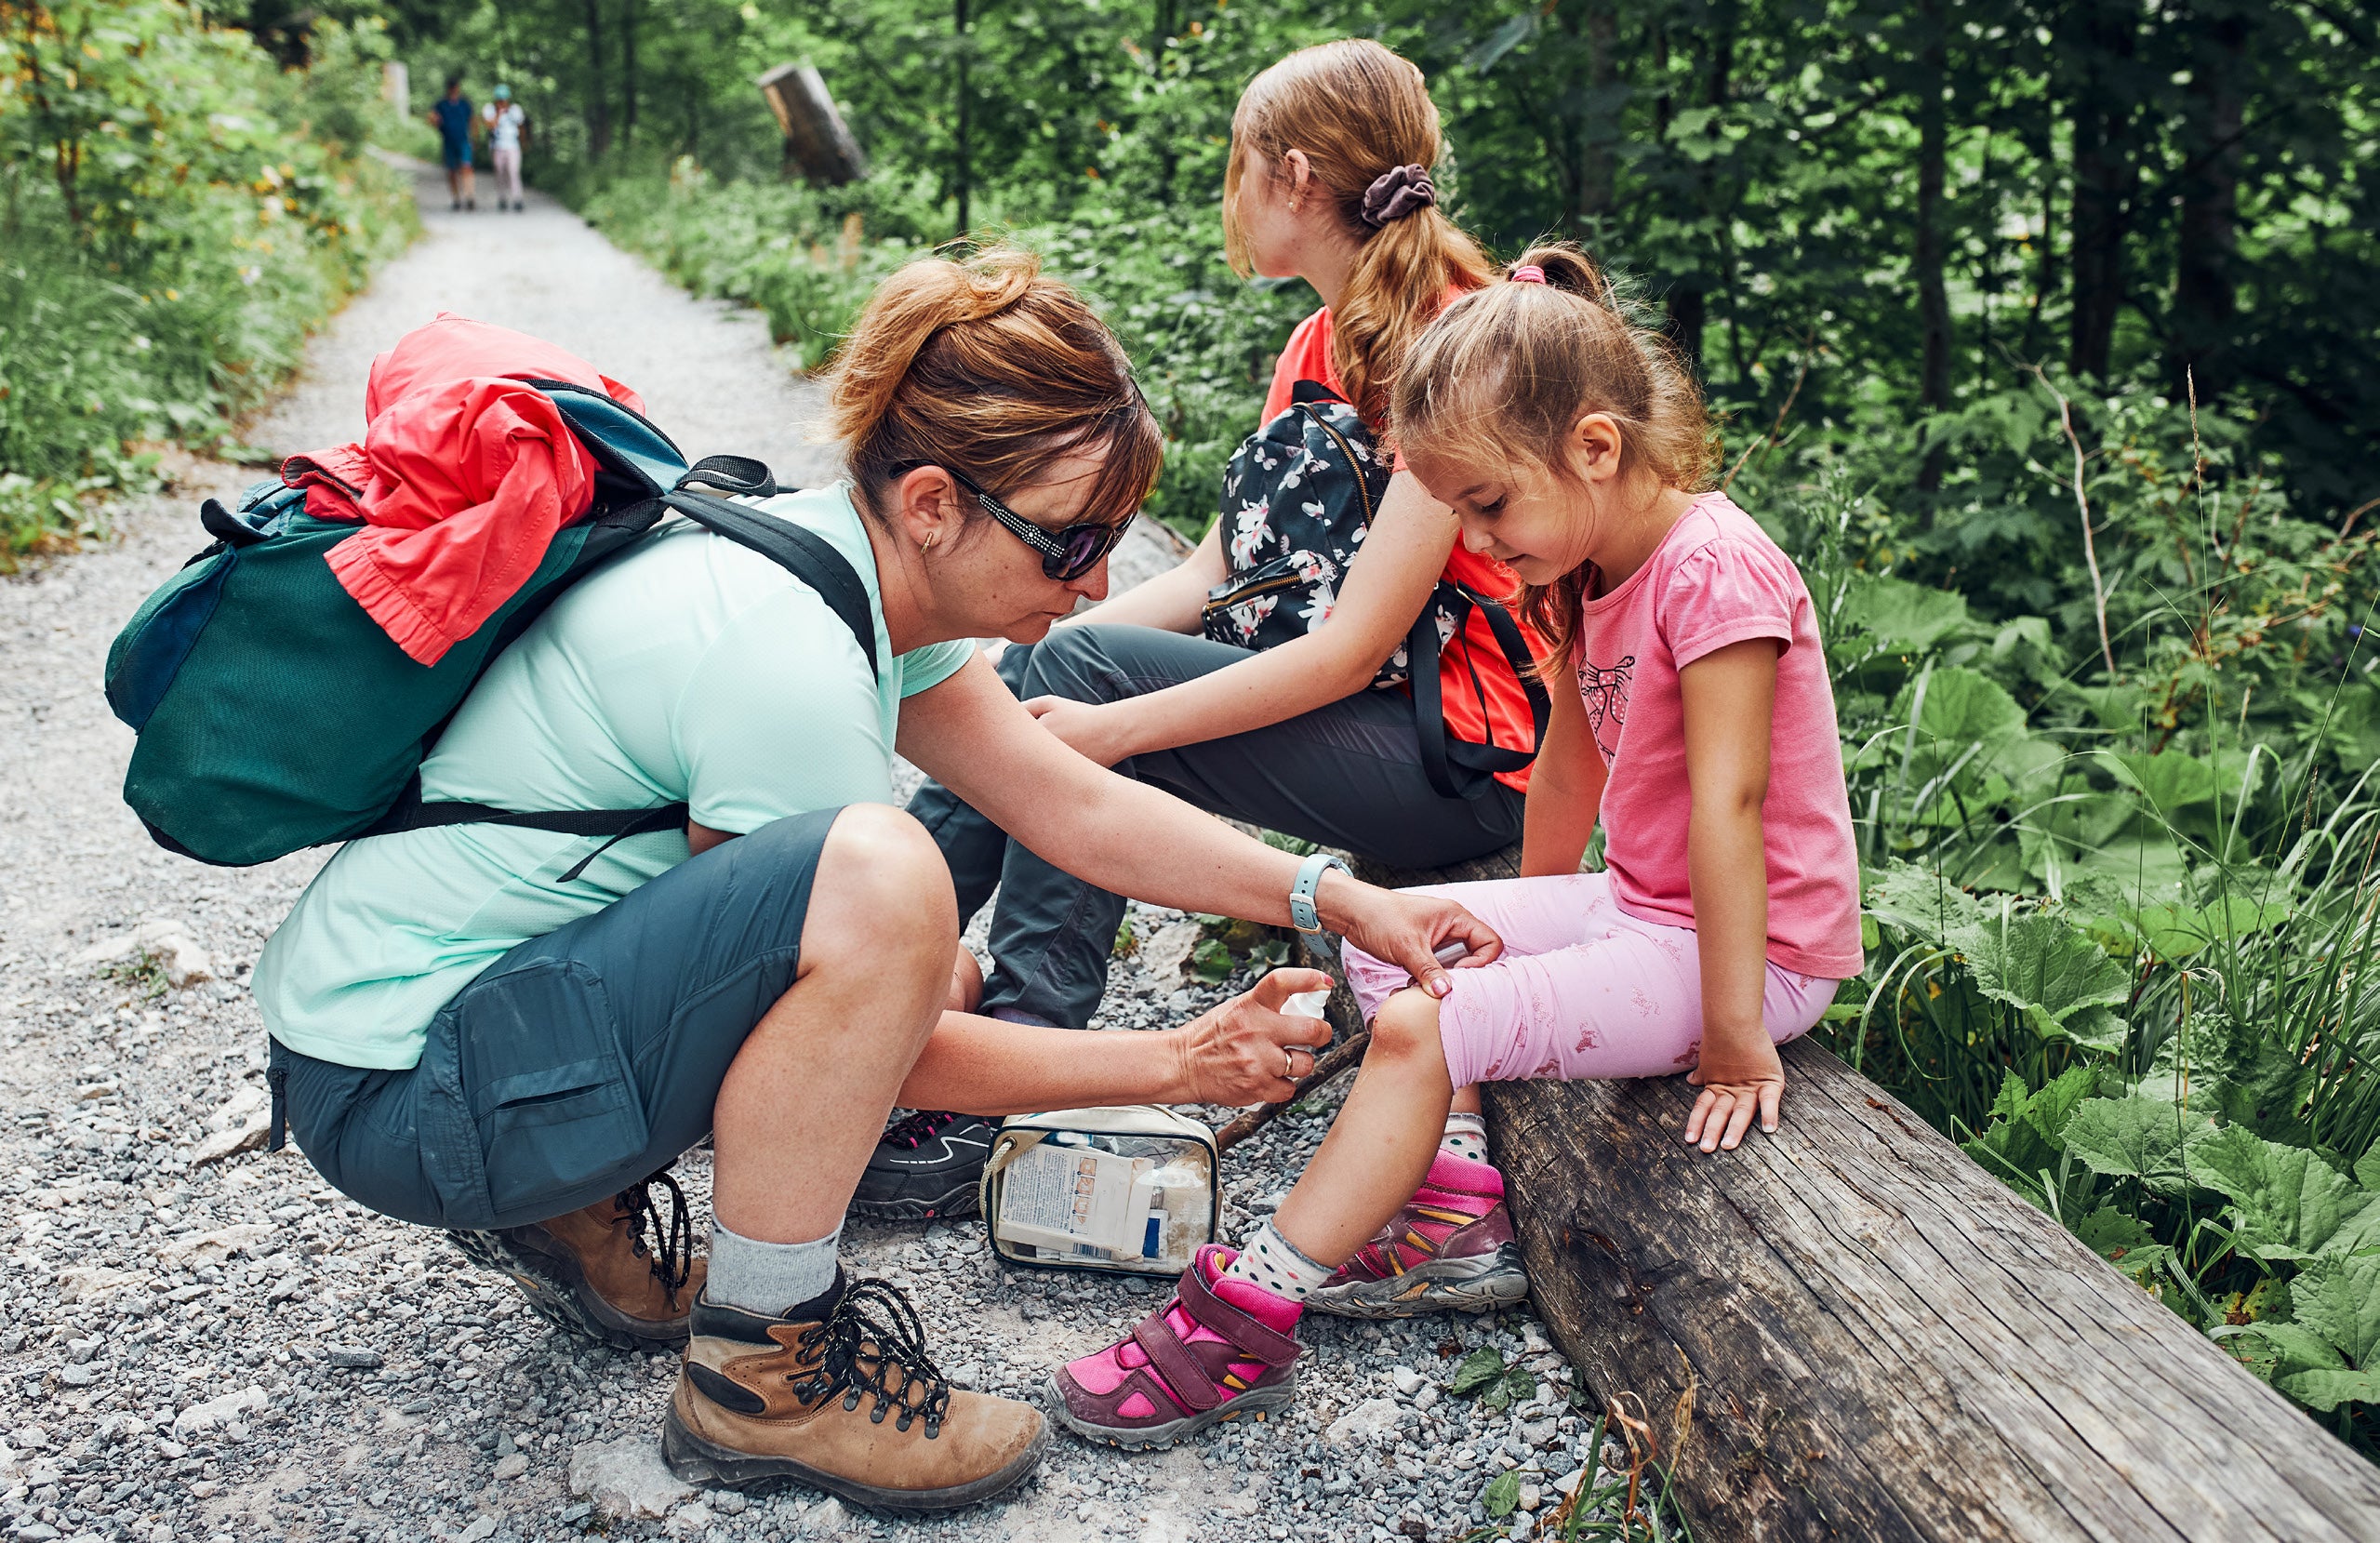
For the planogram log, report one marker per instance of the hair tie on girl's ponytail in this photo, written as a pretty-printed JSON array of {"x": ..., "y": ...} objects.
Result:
[
  {"x": 1528, "y": 273},
  {"x": 1396, "y": 193}
]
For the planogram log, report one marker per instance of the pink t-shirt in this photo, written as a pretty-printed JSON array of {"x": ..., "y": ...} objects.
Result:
[{"x": 1717, "y": 579}]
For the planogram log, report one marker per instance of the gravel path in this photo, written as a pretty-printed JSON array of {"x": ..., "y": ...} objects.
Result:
[{"x": 229, "y": 1349}]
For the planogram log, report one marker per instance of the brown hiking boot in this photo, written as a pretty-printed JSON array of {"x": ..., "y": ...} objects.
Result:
[
  {"x": 592, "y": 1271},
  {"x": 808, "y": 1396}
]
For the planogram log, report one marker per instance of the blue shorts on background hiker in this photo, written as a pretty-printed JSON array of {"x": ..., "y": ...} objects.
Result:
[{"x": 454, "y": 130}]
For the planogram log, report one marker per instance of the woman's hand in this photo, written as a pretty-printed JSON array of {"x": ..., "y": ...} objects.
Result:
[
  {"x": 1248, "y": 1051},
  {"x": 1737, "y": 1081},
  {"x": 1099, "y": 730},
  {"x": 1405, "y": 928}
]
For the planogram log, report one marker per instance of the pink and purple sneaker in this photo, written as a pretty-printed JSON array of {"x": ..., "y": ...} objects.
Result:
[
  {"x": 1449, "y": 1250},
  {"x": 1219, "y": 1350}
]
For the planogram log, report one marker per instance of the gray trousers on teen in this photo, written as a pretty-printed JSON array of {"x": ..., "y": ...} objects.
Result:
[{"x": 1348, "y": 776}]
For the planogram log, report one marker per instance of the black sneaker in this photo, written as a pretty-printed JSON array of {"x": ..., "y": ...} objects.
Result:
[{"x": 925, "y": 1166}]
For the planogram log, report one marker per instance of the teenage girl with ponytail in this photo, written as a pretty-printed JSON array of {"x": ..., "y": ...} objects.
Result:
[
  {"x": 1328, "y": 182},
  {"x": 1693, "y": 719}
]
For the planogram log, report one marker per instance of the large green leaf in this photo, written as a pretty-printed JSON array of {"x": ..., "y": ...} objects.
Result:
[
  {"x": 2176, "y": 932},
  {"x": 2276, "y": 1349},
  {"x": 2325, "y": 1391},
  {"x": 2238, "y": 1069},
  {"x": 1963, "y": 706},
  {"x": 2046, "y": 967},
  {"x": 2121, "y": 1241},
  {"x": 1919, "y": 902},
  {"x": 2290, "y": 1204},
  {"x": 2142, "y": 1138},
  {"x": 2339, "y": 1298},
  {"x": 1902, "y": 617}
]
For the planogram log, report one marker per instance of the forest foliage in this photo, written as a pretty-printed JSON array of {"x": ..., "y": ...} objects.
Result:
[
  {"x": 176, "y": 211},
  {"x": 2042, "y": 335}
]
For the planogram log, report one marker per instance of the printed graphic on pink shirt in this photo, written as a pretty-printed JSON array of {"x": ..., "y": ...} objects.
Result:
[{"x": 1605, "y": 694}]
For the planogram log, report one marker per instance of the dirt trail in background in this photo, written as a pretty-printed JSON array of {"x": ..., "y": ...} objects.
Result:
[{"x": 229, "y": 1349}]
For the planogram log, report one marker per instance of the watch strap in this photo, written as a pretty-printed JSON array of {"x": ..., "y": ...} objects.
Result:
[{"x": 1302, "y": 914}]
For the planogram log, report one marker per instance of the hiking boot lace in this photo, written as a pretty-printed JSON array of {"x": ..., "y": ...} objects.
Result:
[
  {"x": 911, "y": 1130},
  {"x": 673, "y": 1250},
  {"x": 861, "y": 1351}
]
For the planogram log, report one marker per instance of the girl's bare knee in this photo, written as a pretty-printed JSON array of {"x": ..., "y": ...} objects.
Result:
[{"x": 1406, "y": 1028}]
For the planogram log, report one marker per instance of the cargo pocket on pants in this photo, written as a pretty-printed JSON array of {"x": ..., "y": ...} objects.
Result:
[{"x": 549, "y": 1091}]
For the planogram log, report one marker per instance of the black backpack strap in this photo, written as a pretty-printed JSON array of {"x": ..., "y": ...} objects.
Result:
[
  {"x": 805, "y": 555},
  {"x": 409, "y": 813},
  {"x": 1440, "y": 751}
]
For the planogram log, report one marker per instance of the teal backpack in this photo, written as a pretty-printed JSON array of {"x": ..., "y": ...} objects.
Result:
[{"x": 274, "y": 714}]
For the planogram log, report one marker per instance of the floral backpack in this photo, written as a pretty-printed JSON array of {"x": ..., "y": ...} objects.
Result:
[{"x": 1298, "y": 499}]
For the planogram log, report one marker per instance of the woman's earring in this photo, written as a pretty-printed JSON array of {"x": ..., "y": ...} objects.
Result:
[{"x": 927, "y": 545}]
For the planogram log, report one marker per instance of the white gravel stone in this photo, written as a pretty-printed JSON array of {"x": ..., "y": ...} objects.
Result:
[
  {"x": 217, "y": 1414},
  {"x": 1372, "y": 1417},
  {"x": 626, "y": 1479}
]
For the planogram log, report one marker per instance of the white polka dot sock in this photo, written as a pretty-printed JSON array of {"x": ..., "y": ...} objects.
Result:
[
  {"x": 1466, "y": 1137},
  {"x": 1269, "y": 1263}
]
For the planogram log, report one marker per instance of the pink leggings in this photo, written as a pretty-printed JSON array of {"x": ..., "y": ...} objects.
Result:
[{"x": 1582, "y": 989}]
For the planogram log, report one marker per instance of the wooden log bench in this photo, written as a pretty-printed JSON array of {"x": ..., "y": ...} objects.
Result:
[{"x": 1850, "y": 1331}]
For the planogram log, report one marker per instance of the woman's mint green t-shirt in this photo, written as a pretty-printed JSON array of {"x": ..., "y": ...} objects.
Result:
[{"x": 693, "y": 669}]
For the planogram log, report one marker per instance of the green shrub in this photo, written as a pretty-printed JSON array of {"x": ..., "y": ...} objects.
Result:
[{"x": 178, "y": 212}]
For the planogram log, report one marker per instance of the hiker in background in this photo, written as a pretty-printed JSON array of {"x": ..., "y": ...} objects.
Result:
[
  {"x": 451, "y": 116},
  {"x": 1693, "y": 718},
  {"x": 511, "y": 1033},
  {"x": 508, "y": 131},
  {"x": 1279, "y": 699}
]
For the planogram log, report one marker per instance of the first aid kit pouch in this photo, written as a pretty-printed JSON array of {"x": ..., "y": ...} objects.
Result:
[{"x": 1132, "y": 1189}]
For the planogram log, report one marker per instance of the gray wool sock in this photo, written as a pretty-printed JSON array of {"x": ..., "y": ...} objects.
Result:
[{"x": 768, "y": 1278}]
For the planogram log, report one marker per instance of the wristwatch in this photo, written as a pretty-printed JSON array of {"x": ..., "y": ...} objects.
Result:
[{"x": 1301, "y": 894}]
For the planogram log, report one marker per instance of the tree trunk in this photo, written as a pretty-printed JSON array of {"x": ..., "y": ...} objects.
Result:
[
  {"x": 2107, "y": 182},
  {"x": 1874, "y": 1339},
  {"x": 962, "y": 168},
  {"x": 1932, "y": 296},
  {"x": 631, "y": 14},
  {"x": 2205, "y": 299},
  {"x": 1600, "y": 130},
  {"x": 597, "y": 110}
]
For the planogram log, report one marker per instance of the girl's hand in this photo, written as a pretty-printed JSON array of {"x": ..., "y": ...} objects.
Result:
[
  {"x": 1098, "y": 730},
  {"x": 1736, "y": 1083}
]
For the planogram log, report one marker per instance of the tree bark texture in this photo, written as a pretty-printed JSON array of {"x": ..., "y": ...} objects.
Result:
[
  {"x": 2205, "y": 295},
  {"x": 1879, "y": 1341},
  {"x": 961, "y": 164},
  {"x": 2107, "y": 179},
  {"x": 598, "y": 103},
  {"x": 1602, "y": 132},
  {"x": 1933, "y": 293}
]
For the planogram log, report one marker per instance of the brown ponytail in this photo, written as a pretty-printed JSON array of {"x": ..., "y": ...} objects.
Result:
[
  {"x": 1359, "y": 112},
  {"x": 984, "y": 365},
  {"x": 1506, "y": 373}
]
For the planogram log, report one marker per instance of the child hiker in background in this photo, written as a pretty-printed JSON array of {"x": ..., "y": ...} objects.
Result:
[{"x": 1694, "y": 719}]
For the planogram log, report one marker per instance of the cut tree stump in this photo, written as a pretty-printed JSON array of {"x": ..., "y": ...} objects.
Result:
[{"x": 1863, "y": 1335}]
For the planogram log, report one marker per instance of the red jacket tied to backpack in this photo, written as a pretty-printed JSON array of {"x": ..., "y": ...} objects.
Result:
[{"x": 463, "y": 475}]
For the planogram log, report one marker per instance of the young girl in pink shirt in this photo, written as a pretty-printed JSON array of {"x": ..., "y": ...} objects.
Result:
[{"x": 1697, "y": 723}]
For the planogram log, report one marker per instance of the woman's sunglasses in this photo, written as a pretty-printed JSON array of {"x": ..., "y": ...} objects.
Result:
[{"x": 1066, "y": 554}]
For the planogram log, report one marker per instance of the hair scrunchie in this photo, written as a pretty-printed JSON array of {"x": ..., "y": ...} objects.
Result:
[{"x": 1396, "y": 193}]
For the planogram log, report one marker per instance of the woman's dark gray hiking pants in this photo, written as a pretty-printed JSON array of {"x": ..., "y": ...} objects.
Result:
[{"x": 1348, "y": 776}]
